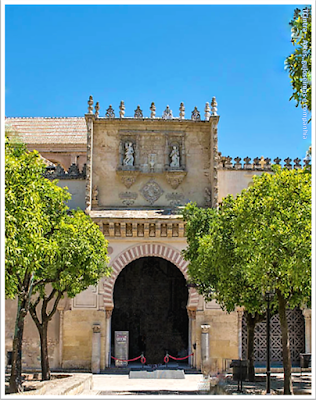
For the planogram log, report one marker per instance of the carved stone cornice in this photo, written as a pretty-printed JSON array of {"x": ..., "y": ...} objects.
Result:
[
  {"x": 175, "y": 178},
  {"x": 128, "y": 178}
]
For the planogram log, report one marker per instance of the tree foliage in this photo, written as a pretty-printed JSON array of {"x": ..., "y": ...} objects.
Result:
[
  {"x": 299, "y": 63},
  {"x": 80, "y": 260},
  {"x": 33, "y": 209},
  {"x": 257, "y": 242}
]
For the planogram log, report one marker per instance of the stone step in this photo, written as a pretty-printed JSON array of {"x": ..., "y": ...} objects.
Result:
[{"x": 157, "y": 374}]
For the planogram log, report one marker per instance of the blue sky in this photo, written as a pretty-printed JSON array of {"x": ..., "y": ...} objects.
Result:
[{"x": 56, "y": 56}]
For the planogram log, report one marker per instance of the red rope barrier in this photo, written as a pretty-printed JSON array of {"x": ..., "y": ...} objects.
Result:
[
  {"x": 182, "y": 358},
  {"x": 132, "y": 359},
  {"x": 166, "y": 358}
]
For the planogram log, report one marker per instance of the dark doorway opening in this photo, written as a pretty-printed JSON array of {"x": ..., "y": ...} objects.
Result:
[{"x": 150, "y": 298}]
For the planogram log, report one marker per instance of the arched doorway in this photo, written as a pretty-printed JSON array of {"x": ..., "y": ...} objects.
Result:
[{"x": 150, "y": 299}]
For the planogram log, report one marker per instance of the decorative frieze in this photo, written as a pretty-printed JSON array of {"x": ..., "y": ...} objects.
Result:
[
  {"x": 110, "y": 112},
  {"x": 214, "y": 106},
  {"x": 122, "y": 109},
  {"x": 207, "y": 111},
  {"x": 195, "y": 115},
  {"x": 95, "y": 193},
  {"x": 260, "y": 164},
  {"x": 138, "y": 113},
  {"x": 182, "y": 111},
  {"x": 128, "y": 198},
  {"x": 97, "y": 110},
  {"x": 208, "y": 197},
  {"x": 152, "y": 110},
  {"x": 167, "y": 114},
  {"x": 90, "y": 105}
]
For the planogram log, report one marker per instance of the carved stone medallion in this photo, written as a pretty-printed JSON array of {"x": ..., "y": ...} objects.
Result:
[{"x": 151, "y": 191}]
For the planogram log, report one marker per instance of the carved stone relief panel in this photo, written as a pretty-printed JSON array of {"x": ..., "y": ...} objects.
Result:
[
  {"x": 152, "y": 230},
  {"x": 117, "y": 229},
  {"x": 106, "y": 229},
  {"x": 163, "y": 231},
  {"x": 175, "y": 199},
  {"x": 129, "y": 229},
  {"x": 128, "y": 198},
  {"x": 151, "y": 191},
  {"x": 140, "y": 229}
]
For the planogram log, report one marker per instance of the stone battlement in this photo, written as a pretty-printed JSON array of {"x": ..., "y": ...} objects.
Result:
[
  {"x": 209, "y": 111},
  {"x": 260, "y": 164},
  {"x": 58, "y": 172}
]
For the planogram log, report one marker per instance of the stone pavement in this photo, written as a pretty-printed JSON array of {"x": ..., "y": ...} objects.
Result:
[
  {"x": 302, "y": 384},
  {"x": 193, "y": 384}
]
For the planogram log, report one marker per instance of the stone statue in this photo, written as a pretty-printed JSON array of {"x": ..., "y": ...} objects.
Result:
[
  {"x": 175, "y": 157},
  {"x": 129, "y": 154}
]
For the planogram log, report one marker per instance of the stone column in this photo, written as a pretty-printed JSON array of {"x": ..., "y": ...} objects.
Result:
[
  {"x": 205, "y": 345},
  {"x": 240, "y": 313},
  {"x": 192, "y": 344},
  {"x": 96, "y": 349},
  {"x": 108, "y": 312},
  {"x": 307, "y": 312}
]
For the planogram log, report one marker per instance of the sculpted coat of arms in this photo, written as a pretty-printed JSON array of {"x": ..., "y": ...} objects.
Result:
[{"x": 151, "y": 191}]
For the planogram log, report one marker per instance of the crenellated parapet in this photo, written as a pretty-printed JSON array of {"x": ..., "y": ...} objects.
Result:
[
  {"x": 259, "y": 164},
  {"x": 58, "y": 172},
  {"x": 195, "y": 115}
]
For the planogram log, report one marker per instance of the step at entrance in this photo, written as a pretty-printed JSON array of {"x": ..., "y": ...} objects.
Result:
[{"x": 157, "y": 374}]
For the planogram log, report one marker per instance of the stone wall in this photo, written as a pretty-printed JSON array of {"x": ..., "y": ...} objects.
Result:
[
  {"x": 31, "y": 340},
  {"x": 77, "y": 338}
]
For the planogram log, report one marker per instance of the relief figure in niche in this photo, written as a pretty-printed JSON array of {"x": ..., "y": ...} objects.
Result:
[
  {"x": 175, "y": 157},
  {"x": 129, "y": 154}
]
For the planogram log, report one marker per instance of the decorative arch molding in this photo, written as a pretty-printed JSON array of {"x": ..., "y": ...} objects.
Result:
[{"x": 147, "y": 250}]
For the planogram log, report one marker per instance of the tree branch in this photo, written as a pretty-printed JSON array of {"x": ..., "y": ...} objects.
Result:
[
  {"x": 50, "y": 315},
  {"x": 32, "y": 308}
]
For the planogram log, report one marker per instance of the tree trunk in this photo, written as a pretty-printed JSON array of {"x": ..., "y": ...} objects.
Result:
[
  {"x": 44, "y": 352},
  {"x": 286, "y": 353},
  {"x": 16, "y": 368},
  {"x": 251, "y": 324}
]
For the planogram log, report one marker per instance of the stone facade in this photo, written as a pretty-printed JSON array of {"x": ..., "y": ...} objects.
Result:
[{"x": 132, "y": 176}]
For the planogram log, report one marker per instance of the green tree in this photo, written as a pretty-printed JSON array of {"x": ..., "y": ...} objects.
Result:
[
  {"x": 216, "y": 269},
  {"x": 272, "y": 232},
  {"x": 79, "y": 261},
  {"x": 255, "y": 243},
  {"x": 33, "y": 208},
  {"x": 299, "y": 63}
]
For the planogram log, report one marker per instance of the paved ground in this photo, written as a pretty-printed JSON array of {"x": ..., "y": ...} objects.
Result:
[{"x": 193, "y": 384}]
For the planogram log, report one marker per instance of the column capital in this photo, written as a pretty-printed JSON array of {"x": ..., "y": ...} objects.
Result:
[
  {"x": 307, "y": 312},
  {"x": 96, "y": 328},
  {"x": 205, "y": 328},
  {"x": 191, "y": 312},
  {"x": 108, "y": 312}
]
